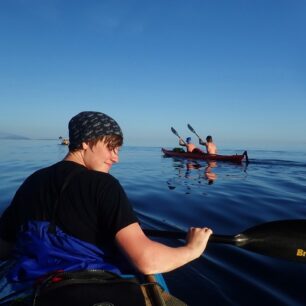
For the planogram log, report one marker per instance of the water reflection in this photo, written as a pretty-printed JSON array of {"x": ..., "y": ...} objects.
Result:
[
  {"x": 208, "y": 172},
  {"x": 191, "y": 172},
  {"x": 190, "y": 166}
]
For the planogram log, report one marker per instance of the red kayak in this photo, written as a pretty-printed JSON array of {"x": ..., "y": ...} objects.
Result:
[{"x": 204, "y": 156}]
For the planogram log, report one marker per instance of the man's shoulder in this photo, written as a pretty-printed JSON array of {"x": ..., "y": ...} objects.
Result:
[
  {"x": 42, "y": 171},
  {"x": 97, "y": 177}
]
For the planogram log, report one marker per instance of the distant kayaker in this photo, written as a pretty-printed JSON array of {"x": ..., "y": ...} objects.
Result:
[
  {"x": 191, "y": 148},
  {"x": 211, "y": 148},
  {"x": 74, "y": 215}
]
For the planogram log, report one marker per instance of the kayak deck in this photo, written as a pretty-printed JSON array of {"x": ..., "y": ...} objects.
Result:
[
  {"x": 71, "y": 288},
  {"x": 204, "y": 156}
]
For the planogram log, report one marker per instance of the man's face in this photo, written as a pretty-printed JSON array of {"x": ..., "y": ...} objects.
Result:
[{"x": 100, "y": 157}]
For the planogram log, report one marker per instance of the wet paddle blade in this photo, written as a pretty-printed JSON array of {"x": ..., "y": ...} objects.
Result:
[{"x": 282, "y": 239}]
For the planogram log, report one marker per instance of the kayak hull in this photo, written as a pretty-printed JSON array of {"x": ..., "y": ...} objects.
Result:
[{"x": 203, "y": 156}]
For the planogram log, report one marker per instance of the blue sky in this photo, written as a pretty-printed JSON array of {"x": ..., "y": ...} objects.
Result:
[{"x": 235, "y": 69}]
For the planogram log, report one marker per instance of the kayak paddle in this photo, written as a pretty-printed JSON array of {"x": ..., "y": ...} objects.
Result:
[
  {"x": 176, "y": 133},
  {"x": 192, "y": 130},
  {"x": 284, "y": 239}
]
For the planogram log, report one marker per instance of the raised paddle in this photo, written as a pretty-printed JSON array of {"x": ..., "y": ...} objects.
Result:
[
  {"x": 284, "y": 239},
  {"x": 192, "y": 130},
  {"x": 176, "y": 133}
]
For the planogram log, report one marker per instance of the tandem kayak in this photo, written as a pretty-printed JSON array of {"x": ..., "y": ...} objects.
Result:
[{"x": 204, "y": 156}]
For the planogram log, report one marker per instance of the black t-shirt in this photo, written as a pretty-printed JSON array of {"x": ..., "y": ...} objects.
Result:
[{"x": 93, "y": 207}]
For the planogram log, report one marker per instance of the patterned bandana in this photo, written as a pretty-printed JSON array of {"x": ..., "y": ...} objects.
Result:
[{"x": 87, "y": 126}]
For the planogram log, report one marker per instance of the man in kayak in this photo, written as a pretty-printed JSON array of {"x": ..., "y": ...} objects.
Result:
[
  {"x": 191, "y": 148},
  {"x": 211, "y": 148},
  {"x": 74, "y": 215}
]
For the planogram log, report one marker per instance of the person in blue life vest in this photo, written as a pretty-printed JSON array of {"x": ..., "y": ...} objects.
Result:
[
  {"x": 190, "y": 147},
  {"x": 75, "y": 215}
]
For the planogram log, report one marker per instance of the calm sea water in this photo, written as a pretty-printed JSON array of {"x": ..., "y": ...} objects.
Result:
[{"x": 173, "y": 194}]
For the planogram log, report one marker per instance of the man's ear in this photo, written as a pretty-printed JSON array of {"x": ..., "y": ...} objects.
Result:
[{"x": 85, "y": 145}]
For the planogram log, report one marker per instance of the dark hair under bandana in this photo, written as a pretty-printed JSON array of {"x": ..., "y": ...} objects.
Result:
[{"x": 87, "y": 126}]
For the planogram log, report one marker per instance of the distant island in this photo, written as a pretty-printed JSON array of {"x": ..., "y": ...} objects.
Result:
[{"x": 12, "y": 136}]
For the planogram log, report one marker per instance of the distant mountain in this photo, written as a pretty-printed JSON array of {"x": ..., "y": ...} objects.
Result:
[{"x": 11, "y": 136}]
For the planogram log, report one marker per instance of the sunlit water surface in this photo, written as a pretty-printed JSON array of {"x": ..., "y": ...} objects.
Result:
[{"x": 173, "y": 194}]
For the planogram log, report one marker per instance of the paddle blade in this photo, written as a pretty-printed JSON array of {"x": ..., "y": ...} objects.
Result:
[
  {"x": 174, "y": 132},
  {"x": 283, "y": 239},
  {"x": 190, "y": 128}
]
